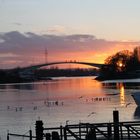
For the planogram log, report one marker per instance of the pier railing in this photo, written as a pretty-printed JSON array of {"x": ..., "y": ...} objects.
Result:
[
  {"x": 87, "y": 131},
  {"x": 96, "y": 131}
]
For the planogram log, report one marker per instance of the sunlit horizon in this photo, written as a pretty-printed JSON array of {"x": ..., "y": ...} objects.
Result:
[{"x": 87, "y": 31}]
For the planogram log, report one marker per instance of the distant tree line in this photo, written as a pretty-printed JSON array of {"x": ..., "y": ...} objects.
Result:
[
  {"x": 56, "y": 72},
  {"x": 10, "y": 76},
  {"x": 13, "y": 75},
  {"x": 123, "y": 64}
]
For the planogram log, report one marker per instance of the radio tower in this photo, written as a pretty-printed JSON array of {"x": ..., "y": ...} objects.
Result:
[{"x": 46, "y": 56}]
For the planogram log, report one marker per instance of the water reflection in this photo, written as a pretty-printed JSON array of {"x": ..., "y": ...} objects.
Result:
[
  {"x": 118, "y": 86},
  {"x": 127, "y": 84},
  {"x": 65, "y": 99},
  {"x": 122, "y": 93},
  {"x": 20, "y": 86}
]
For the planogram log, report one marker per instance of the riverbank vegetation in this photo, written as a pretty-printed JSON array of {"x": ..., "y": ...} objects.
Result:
[
  {"x": 122, "y": 65},
  {"x": 57, "y": 72},
  {"x": 13, "y": 76}
]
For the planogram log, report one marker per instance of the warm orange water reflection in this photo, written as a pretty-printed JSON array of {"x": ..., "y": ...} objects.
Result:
[
  {"x": 120, "y": 86},
  {"x": 70, "y": 88},
  {"x": 78, "y": 96}
]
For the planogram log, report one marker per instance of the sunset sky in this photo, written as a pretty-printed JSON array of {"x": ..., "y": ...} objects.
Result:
[{"x": 82, "y": 30}]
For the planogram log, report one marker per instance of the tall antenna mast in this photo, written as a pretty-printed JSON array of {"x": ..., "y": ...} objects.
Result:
[{"x": 46, "y": 55}]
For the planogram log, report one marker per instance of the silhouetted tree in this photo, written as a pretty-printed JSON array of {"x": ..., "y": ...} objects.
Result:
[
  {"x": 117, "y": 65},
  {"x": 119, "y": 61},
  {"x": 136, "y": 54},
  {"x": 134, "y": 63}
]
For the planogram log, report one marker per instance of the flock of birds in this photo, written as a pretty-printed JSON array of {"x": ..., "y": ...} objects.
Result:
[
  {"x": 97, "y": 99},
  {"x": 56, "y": 103},
  {"x": 93, "y": 113},
  {"x": 36, "y": 107}
]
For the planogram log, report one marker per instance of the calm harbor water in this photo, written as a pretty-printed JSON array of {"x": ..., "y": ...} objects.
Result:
[{"x": 71, "y": 100}]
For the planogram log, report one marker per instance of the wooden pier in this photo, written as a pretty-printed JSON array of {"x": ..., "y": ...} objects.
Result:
[{"x": 88, "y": 131}]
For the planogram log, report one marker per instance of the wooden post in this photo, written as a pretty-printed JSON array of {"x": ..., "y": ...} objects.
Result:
[
  {"x": 39, "y": 130},
  {"x": 48, "y": 136},
  {"x": 8, "y": 136},
  {"x": 121, "y": 131},
  {"x": 109, "y": 131},
  {"x": 91, "y": 134},
  {"x": 87, "y": 125},
  {"x": 61, "y": 132},
  {"x": 116, "y": 125},
  {"x": 128, "y": 132},
  {"x": 55, "y": 135},
  {"x": 30, "y": 134},
  {"x": 65, "y": 133},
  {"x": 80, "y": 131}
]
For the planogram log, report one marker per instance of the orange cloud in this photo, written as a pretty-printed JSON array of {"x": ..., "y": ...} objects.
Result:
[{"x": 29, "y": 48}]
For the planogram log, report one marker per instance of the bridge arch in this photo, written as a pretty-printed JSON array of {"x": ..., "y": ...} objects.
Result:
[
  {"x": 27, "y": 72},
  {"x": 64, "y": 62}
]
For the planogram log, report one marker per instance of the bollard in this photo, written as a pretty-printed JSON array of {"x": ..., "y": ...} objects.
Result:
[
  {"x": 91, "y": 135},
  {"x": 109, "y": 131},
  {"x": 39, "y": 130},
  {"x": 48, "y": 136},
  {"x": 7, "y": 136},
  {"x": 61, "y": 132},
  {"x": 116, "y": 125},
  {"x": 30, "y": 134},
  {"x": 65, "y": 133},
  {"x": 55, "y": 135}
]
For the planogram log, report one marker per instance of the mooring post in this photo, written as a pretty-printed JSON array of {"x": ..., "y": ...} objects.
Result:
[
  {"x": 109, "y": 131},
  {"x": 7, "y": 134},
  {"x": 91, "y": 135},
  {"x": 55, "y": 135},
  {"x": 116, "y": 124},
  {"x": 39, "y": 130},
  {"x": 121, "y": 131},
  {"x": 80, "y": 130},
  {"x": 48, "y": 136},
  {"x": 30, "y": 134},
  {"x": 128, "y": 132},
  {"x": 61, "y": 132},
  {"x": 65, "y": 133}
]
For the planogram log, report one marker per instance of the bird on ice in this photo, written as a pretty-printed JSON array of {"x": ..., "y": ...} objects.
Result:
[
  {"x": 128, "y": 104},
  {"x": 80, "y": 97},
  {"x": 91, "y": 114}
]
